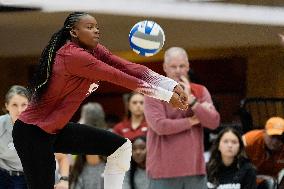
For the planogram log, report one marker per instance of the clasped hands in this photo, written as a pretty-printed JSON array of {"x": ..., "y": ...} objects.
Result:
[{"x": 180, "y": 98}]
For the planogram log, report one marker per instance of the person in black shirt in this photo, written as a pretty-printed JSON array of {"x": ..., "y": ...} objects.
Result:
[{"x": 228, "y": 167}]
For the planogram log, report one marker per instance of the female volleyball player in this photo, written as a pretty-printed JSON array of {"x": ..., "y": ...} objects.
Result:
[{"x": 70, "y": 68}]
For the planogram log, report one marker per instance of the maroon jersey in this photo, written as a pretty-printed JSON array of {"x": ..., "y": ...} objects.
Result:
[
  {"x": 125, "y": 129},
  {"x": 76, "y": 74}
]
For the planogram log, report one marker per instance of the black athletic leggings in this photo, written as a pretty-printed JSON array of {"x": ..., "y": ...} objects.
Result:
[{"x": 36, "y": 148}]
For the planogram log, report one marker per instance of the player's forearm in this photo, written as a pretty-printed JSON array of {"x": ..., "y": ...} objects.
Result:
[
  {"x": 143, "y": 73},
  {"x": 63, "y": 163}
]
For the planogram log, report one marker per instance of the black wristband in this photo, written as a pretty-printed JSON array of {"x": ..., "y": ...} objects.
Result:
[{"x": 65, "y": 178}]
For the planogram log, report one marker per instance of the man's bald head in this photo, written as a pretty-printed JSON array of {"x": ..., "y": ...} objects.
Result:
[
  {"x": 174, "y": 52},
  {"x": 176, "y": 63}
]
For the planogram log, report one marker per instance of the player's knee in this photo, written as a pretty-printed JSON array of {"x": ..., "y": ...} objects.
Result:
[{"x": 119, "y": 161}]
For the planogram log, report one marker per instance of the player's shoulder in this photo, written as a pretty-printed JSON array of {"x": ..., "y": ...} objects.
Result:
[
  {"x": 71, "y": 49},
  {"x": 101, "y": 47},
  {"x": 101, "y": 52}
]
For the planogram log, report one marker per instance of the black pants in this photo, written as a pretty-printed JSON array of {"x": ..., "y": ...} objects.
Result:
[{"x": 36, "y": 148}]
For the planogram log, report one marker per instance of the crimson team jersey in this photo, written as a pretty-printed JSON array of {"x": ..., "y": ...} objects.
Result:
[
  {"x": 76, "y": 74},
  {"x": 125, "y": 129}
]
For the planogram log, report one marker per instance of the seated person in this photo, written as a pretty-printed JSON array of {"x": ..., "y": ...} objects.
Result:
[
  {"x": 265, "y": 147},
  {"x": 87, "y": 171},
  {"x": 136, "y": 177},
  {"x": 134, "y": 125},
  {"x": 228, "y": 166}
]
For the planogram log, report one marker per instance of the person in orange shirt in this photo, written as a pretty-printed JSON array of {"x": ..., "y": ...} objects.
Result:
[{"x": 265, "y": 147}]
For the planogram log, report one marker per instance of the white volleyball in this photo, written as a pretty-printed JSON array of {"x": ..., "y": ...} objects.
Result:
[{"x": 146, "y": 38}]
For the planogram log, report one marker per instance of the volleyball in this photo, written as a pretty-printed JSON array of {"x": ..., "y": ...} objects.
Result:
[{"x": 146, "y": 38}]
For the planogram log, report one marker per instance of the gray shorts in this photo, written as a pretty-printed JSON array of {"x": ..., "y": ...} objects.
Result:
[{"x": 188, "y": 182}]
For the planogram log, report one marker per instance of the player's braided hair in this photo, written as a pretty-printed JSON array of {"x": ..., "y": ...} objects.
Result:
[{"x": 40, "y": 79}]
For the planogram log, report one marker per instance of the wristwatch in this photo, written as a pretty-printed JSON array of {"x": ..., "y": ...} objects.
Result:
[{"x": 65, "y": 178}]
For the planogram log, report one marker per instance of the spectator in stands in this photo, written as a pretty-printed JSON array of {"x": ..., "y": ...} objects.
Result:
[
  {"x": 134, "y": 125},
  {"x": 87, "y": 172},
  {"x": 228, "y": 166},
  {"x": 93, "y": 114},
  {"x": 136, "y": 177},
  {"x": 11, "y": 170},
  {"x": 175, "y": 138},
  {"x": 111, "y": 121},
  {"x": 265, "y": 147}
]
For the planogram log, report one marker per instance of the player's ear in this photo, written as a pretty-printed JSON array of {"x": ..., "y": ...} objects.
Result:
[
  {"x": 164, "y": 67},
  {"x": 73, "y": 33}
]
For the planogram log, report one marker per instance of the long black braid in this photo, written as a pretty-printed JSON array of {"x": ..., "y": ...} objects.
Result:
[{"x": 40, "y": 79}]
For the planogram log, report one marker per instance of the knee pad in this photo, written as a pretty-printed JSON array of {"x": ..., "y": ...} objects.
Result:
[{"x": 119, "y": 161}]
